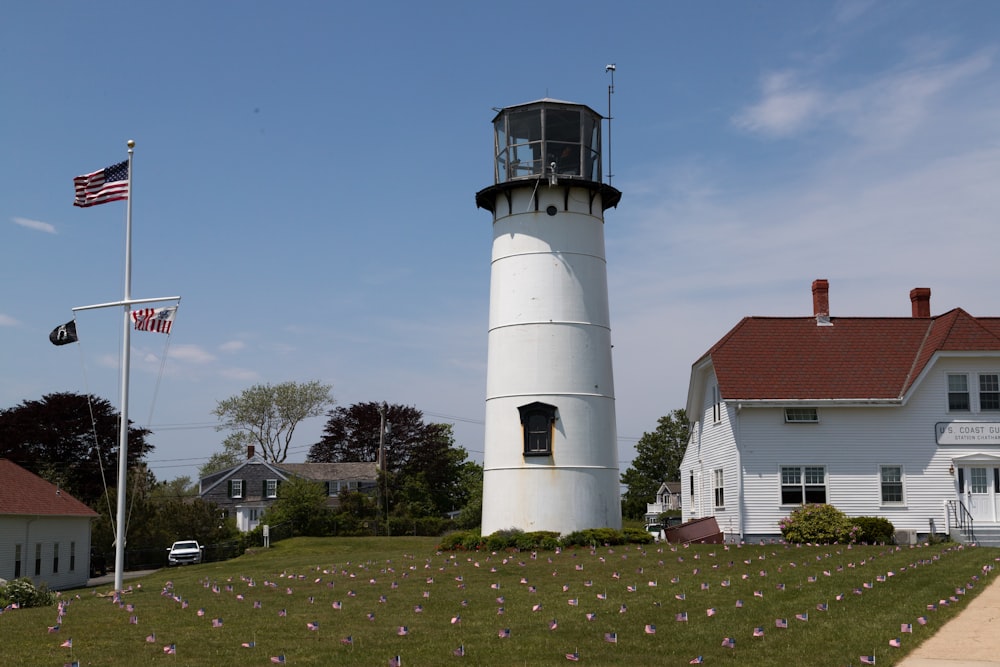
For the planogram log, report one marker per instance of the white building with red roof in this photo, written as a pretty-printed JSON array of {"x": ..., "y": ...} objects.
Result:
[
  {"x": 44, "y": 531},
  {"x": 897, "y": 417}
]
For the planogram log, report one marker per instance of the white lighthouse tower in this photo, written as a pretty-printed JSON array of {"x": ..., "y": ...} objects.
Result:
[{"x": 551, "y": 455}]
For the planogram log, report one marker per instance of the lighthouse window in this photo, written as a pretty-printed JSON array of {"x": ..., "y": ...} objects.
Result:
[{"x": 537, "y": 420}]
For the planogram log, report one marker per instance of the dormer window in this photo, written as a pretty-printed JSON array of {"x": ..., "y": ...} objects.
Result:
[{"x": 537, "y": 424}]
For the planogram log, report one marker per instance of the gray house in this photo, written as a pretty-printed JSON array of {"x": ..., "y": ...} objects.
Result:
[{"x": 246, "y": 490}]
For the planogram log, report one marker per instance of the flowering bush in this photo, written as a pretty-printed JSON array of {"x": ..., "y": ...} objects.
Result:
[
  {"x": 822, "y": 524},
  {"x": 24, "y": 593}
]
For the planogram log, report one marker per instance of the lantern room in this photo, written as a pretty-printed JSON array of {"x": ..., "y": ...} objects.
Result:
[{"x": 547, "y": 138}]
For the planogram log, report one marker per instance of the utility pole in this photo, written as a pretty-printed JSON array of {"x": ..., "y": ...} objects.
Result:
[{"x": 381, "y": 461}]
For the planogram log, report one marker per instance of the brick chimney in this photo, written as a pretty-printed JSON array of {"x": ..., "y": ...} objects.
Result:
[
  {"x": 821, "y": 300},
  {"x": 250, "y": 452},
  {"x": 920, "y": 300}
]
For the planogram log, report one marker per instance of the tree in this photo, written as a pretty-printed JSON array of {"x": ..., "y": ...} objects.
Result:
[
  {"x": 71, "y": 440},
  {"x": 422, "y": 462},
  {"x": 658, "y": 459},
  {"x": 301, "y": 502},
  {"x": 233, "y": 452},
  {"x": 267, "y": 415}
]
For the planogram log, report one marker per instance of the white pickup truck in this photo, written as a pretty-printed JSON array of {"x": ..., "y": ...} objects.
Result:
[{"x": 186, "y": 552}]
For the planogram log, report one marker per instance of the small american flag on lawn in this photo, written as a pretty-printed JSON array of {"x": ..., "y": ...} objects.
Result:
[
  {"x": 403, "y": 631},
  {"x": 696, "y": 661},
  {"x": 216, "y": 622},
  {"x": 313, "y": 625},
  {"x": 758, "y": 632},
  {"x": 729, "y": 642},
  {"x": 780, "y": 623},
  {"x": 905, "y": 627},
  {"x": 573, "y": 657},
  {"x": 504, "y": 634},
  {"x": 867, "y": 659},
  {"x": 650, "y": 629},
  {"x": 278, "y": 659},
  {"x": 102, "y": 186},
  {"x": 347, "y": 641},
  {"x": 611, "y": 637}
]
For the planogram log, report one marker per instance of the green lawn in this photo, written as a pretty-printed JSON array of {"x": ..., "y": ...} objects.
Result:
[{"x": 624, "y": 588}]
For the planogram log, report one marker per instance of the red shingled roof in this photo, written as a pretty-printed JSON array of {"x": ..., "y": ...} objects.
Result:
[
  {"x": 788, "y": 358},
  {"x": 25, "y": 493}
]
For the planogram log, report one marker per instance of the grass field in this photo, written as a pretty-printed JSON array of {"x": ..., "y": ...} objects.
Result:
[{"x": 366, "y": 589}]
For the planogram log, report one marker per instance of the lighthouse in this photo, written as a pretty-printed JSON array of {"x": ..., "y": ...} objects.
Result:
[{"x": 551, "y": 457}]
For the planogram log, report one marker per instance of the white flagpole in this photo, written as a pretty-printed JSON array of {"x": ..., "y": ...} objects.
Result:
[{"x": 126, "y": 360}]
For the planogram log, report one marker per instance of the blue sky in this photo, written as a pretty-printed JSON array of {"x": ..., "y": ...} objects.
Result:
[{"x": 305, "y": 173}]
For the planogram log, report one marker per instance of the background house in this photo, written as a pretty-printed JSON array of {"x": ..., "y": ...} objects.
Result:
[
  {"x": 879, "y": 416},
  {"x": 246, "y": 490},
  {"x": 668, "y": 498},
  {"x": 44, "y": 531}
]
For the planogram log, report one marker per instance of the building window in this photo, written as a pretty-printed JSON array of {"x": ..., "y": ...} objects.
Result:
[
  {"x": 38, "y": 558},
  {"x": 716, "y": 404},
  {"x": 958, "y": 393},
  {"x": 978, "y": 481},
  {"x": 55, "y": 558},
  {"x": 537, "y": 424},
  {"x": 691, "y": 483},
  {"x": 236, "y": 488},
  {"x": 719, "y": 487},
  {"x": 989, "y": 392},
  {"x": 17, "y": 561},
  {"x": 270, "y": 488},
  {"x": 892, "y": 485},
  {"x": 72, "y": 556},
  {"x": 801, "y": 416},
  {"x": 803, "y": 485}
]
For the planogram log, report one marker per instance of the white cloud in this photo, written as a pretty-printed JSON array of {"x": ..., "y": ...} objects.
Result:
[
  {"x": 232, "y": 346},
  {"x": 34, "y": 224},
  {"x": 786, "y": 107},
  {"x": 191, "y": 353},
  {"x": 8, "y": 321}
]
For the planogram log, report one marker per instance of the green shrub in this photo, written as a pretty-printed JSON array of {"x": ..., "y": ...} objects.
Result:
[
  {"x": 638, "y": 536},
  {"x": 539, "y": 539},
  {"x": 461, "y": 540},
  {"x": 594, "y": 537},
  {"x": 24, "y": 593},
  {"x": 503, "y": 539},
  {"x": 874, "y": 530},
  {"x": 819, "y": 524}
]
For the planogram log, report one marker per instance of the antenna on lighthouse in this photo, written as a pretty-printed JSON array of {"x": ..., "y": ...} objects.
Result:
[{"x": 611, "y": 89}]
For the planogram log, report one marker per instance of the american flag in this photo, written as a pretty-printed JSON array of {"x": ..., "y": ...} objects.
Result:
[
  {"x": 822, "y": 606},
  {"x": 102, "y": 186},
  {"x": 650, "y": 629},
  {"x": 54, "y": 628},
  {"x": 894, "y": 643},
  {"x": 170, "y": 649},
  {"x": 282, "y": 612},
  {"x": 347, "y": 641},
  {"x": 573, "y": 657},
  {"x": 780, "y": 623},
  {"x": 922, "y": 620},
  {"x": 683, "y": 616},
  {"x": 802, "y": 617},
  {"x": 151, "y": 638},
  {"x": 553, "y": 624},
  {"x": 313, "y": 625},
  {"x": 154, "y": 319},
  {"x": 504, "y": 634},
  {"x": 248, "y": 644},
  {"x": 905, "y": 627},
  {"x": 729, "y": 642},
  {"x": 710, "y": 611},
  {"x": 696, "y": 661},
  {"x": 403, "y": 631},
  {"x": 278, "y": 659},
  {"x": 460, "y": 651},
  {"x": 395, "y": 661},
  {"x": 68, "y": 643},
  {"x": 611, "y": 637},
  {"x": 867, "y": 659},
  {"x": 758, "y": 632},
  {"x": 216, "y": 622}
]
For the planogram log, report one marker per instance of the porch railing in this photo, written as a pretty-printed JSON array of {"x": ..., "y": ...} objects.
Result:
[{"x": 962, "y": 518}]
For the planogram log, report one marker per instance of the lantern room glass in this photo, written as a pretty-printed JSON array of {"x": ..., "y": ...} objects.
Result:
[{"x": 545, "y": 139}]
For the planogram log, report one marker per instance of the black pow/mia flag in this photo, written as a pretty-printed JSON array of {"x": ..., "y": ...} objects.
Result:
[{"x": 64, "y": 334}]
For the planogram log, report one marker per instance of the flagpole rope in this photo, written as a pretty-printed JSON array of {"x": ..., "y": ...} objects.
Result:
[{"x": 93, "y": 430}]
